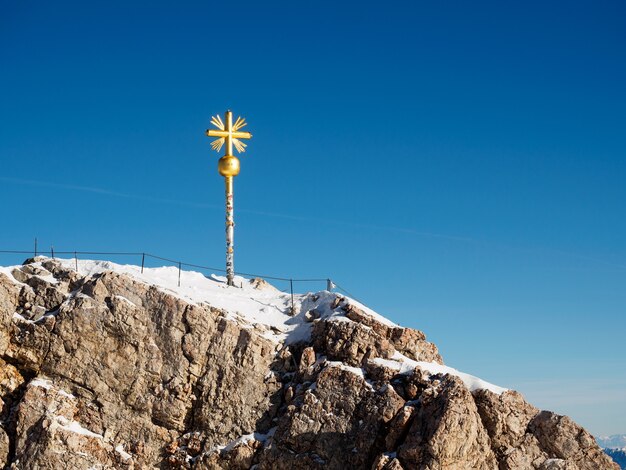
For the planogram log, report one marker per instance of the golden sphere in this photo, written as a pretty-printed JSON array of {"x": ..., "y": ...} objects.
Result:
[{"x": 228, "y": 166}]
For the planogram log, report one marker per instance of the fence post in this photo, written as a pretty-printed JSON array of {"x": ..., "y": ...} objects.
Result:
[
  {"x": 179, "y": 274},
  {"x": 293, "y": 308},
  {"x": 76, "y": 261},
  {"x": 143, "y": 258}
]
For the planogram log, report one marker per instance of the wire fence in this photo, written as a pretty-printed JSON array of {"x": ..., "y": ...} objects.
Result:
[{"x": 330, "y": 284}]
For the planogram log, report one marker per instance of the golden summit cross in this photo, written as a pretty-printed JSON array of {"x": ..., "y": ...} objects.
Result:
[
  {"x": 228, "y": 133},
  {"x": 228, "y": 166}
]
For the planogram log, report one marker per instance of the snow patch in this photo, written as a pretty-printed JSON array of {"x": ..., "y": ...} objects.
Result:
[
  {"x": 49, "y": 278},
  {"x": 75, "y": 427},
  {"x": 241, "y": 440},
  {"x": 7, "y": 271},
  {"x": 404, "y": 365},
  {"x": 46, "y": 383},
  {"x": 19, "y": 317},
  {"x": 354, "y": 370},
  {"x": 120, "y": 450},
  {"x": 121, "y": 297},
  {"x": 41, "y": 382}
]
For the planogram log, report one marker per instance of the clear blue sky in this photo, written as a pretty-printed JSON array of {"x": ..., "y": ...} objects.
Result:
[{"x": 459, "y": 166}]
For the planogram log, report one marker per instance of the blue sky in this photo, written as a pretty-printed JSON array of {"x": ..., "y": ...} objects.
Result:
[{"x": 460, "y": 167}]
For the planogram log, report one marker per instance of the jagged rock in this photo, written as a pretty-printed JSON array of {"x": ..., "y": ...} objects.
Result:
[
  {"x": 387, "y": 462},
  {"x": 336, "y": 424},
  {"x": 239, "y": 456},
  {"x": 49, "y": 432},
  {"x": 9, "y": 295},
  {"x": 412, "y": 343},
  {"x": 505, "y": 417},
  {"x": 103, "y": 370},
  {"x": 4, "y": 447},
  {"x": 399, "y": 427},
  {"x": 259, "y": 283},
  {"x": 349, "y": 342},
  {"x": 312, "y": 315},
  {"x": 447, "y": 431},
  {"x": 10, "y": 378},
  {"x": 560, "y": 437},
  {"x": 558, "y": 464}
]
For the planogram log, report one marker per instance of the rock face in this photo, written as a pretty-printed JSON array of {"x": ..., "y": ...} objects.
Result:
[{"x": 106, "y": 371}]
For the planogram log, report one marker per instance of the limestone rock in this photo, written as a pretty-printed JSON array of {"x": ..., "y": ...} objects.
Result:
[
  {"x": 412, "y": 343},
  {"x": 447, "y": 431},
  {"x": 349, "y": 342},
  {"x": 560, "y": 437},
  {"x": 4, "y": 447},
  {"x": 106, "y": 371}
]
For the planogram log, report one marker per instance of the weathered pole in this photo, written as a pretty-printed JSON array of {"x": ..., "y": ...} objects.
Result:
[{"x": 230, "y": 231}]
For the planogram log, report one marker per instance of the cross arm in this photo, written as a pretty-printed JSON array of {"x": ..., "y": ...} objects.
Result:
[
  {"x": 236, "y": 134},
  {"x": 216, "y": 133},
  {"x": 242, "y": 135}
]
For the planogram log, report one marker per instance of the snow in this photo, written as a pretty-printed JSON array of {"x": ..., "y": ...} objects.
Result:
[
  {"x": 65, "y": 394},
  {"x": 120, "y": 450},
  {"x": 242, "y": 440},
  {"x": 49, "y": 278},
  {"x": 41, "y": 382},
  {"x": 6, "y": 270},
  {"x": 266, "y": 307},
  {"x": 46, "y": 383},
  {"x": 75, "y": 427},
  {"x": 355, "y": 370},
  {"x": 19, "y": 317},
  {"x": 405, "y": 365},
  {"x": 124, "y": 299}
]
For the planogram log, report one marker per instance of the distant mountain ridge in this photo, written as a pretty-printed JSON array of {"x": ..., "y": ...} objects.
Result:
[
  {"x": 615, "y": 447},
  {"x": 615, "y": 441}
]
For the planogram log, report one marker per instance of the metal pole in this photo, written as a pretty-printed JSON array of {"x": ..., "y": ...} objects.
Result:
[
  {"x": 143, "y": 258},
  {"x": 35, "y": 247},
  {"x": 52, "y": 251},
  {"x": 76, "y": 260},
  {"x": 179, "y": 274},
  {"x": 230, "y": 232},
  {"x": 293, "y": 308}
]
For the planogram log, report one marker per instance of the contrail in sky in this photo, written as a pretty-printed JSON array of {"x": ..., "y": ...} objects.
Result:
[{"x": 106, "y": 192}]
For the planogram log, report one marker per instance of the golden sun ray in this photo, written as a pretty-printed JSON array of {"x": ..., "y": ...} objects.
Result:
[
  {"x": 218, "y": 143},
  {"x": 239, "y": 124},
  {"x": 217, "y": 122},
  {"x": 239, "y": 145}
]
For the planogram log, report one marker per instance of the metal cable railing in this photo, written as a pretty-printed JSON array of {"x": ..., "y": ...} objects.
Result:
[{"x": 52, "y": 253}]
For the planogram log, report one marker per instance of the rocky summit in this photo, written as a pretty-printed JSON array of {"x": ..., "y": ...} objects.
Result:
[{"x": 105, "y": 366}]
